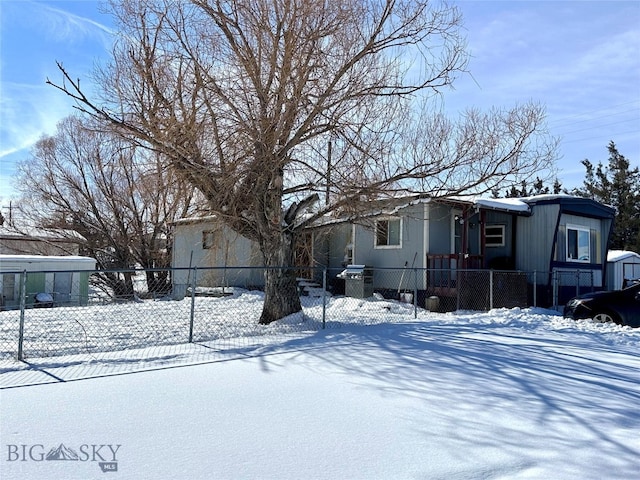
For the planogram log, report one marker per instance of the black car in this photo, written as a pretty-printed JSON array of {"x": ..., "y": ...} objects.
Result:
[{"x": 619, "y": 306}]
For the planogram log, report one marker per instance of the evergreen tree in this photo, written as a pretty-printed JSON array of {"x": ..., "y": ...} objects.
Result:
[
  {"x": 537, "y": 188},
  {"x": 617, "y": 185}
]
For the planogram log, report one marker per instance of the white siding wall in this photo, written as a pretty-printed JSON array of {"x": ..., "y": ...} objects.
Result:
[{"x": 228, "y": 250}]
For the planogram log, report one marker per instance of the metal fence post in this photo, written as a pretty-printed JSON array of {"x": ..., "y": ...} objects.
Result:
[
  {"x": 193, "y": 304},
  {"x": 324, "y": 298},
  {"x": 490, "y": 289},
  {"x": 23, "y": 305},
  {"x": 535, "y": 288},
  {"x": 458, "y": 289},
  {"x": 415, "y": 293}
]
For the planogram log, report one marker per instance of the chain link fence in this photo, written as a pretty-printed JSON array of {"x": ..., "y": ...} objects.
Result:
[
  {"x": 46, "y": 314},
  {"x": 567, "y": 284}
]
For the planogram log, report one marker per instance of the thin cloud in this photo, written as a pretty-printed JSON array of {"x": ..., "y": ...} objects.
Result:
[
  {"x": 42, "y": 33},
  {"x": 605, "y": 68},
  {"x": 620, "y": 52},
  {"x": 543, "y": 47},
  {"x": 27, "y": 113},
  {"x": 66, "y": 26}
]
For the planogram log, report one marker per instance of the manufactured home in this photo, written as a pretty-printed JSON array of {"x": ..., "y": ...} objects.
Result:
[
  {"x": 546, "y": 238},
  {"x": 554, "y": 236},
  {"x": 52, "y": 280}
]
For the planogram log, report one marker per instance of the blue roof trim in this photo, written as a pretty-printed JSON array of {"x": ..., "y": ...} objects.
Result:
[{"x": 575, "y": 205}]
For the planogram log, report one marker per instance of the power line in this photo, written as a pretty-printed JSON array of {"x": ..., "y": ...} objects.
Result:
[
  {"x": 589, "y": 112},
  {"x": 604, "y": 116},
  {"x": 599, "y": 136},
  {"x": 600, "y": 125}
]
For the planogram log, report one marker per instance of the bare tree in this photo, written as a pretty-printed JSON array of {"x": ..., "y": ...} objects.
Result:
[
  {"x": 118, "y": 197},
  {"x": 245, "y": 96}
]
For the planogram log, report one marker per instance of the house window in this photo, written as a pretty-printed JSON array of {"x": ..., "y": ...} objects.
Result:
[
  {"x": 578, "y": 244},
  {"x": 494, "y": 235},
  {"x": 388, "y": 233},
  {"x": 208, "y": 239}
]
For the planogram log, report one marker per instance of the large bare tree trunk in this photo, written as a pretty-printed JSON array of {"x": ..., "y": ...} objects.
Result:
[{"x": 281, "y": 294}]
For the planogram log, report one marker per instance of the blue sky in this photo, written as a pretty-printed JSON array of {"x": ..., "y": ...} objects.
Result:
[{"x": 579, "y": 58}]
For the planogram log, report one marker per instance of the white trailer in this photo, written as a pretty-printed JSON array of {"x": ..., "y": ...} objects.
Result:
[{"x": 62, "y": 279}]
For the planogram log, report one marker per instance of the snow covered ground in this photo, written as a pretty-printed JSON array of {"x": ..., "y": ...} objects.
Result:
[
  {"x": 96, "y": 329},
  {"x": 506, "y": 394}
]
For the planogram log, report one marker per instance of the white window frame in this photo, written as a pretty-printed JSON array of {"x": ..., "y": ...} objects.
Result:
[
  {"x": 387, "y": 245},
  {"x": 500, "y": 236},
  {"x": 579, "y": 229}
]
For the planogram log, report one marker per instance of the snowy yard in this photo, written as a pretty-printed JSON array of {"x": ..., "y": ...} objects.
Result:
[
  {"x": 96, "y": 329},
  {"x": 507, "y": 394}
]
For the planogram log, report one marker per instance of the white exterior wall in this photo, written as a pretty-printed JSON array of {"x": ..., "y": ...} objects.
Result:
[{"x": 216, "y": 264}]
